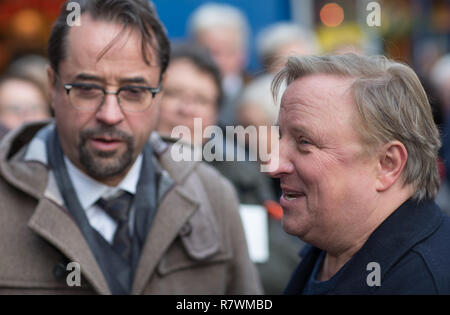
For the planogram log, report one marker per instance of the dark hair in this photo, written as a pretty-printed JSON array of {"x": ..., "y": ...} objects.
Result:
[
  {"x": 136, "y": 13},
  {"x": 202, "y": 60}
]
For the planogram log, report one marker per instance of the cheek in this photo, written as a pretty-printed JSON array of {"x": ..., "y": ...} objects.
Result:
[
  {"x": 325, "y": 179},
  {"x": 142, "y": 125},
  {"x": 167, "y": 114},
  {"x": 316, "y": 168},
  {"x": 70, "y": 122}
]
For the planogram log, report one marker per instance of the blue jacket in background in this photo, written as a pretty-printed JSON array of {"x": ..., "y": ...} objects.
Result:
[{"x": 412, "y": 248}]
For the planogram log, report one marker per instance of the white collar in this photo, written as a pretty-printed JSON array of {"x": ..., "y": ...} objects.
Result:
[{"x": 89, "y": 190}]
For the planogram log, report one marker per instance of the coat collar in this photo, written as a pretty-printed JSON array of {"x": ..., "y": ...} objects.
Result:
[{"x": 411, "y": 223}]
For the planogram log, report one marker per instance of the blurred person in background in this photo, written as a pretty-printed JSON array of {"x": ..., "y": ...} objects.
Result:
[
  {"x": 22, "y": 99},
  {"x": 256, "y": 107},
  {"x": 439, "y": 78},
  {"x": 3, "y": 131},
  {"x": 224, "y": 30},
  {"x": 33, "y": 66},
  {"x": 426, "y": 54},
  {"x": 278, "y": 41},
  {"x": 193, "y": 90}
]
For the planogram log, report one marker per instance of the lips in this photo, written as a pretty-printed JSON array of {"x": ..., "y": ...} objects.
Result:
[
  {"x": 106, "y": 139},
  {"x": 106, "y": 143},
  {"x": 290, "y": 194}
]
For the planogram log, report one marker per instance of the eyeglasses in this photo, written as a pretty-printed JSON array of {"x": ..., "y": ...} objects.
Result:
[
  {"x": 90, "y": 97},
  {"x": 178, "y": 95}
]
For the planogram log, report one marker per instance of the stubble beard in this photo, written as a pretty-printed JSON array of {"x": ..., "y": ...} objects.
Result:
[{"x": 105, "y": 164}]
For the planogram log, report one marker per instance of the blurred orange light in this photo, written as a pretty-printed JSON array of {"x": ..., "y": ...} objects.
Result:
[
  {"x": 332, "y": 14},
  {"x": 27, "y": 23}
]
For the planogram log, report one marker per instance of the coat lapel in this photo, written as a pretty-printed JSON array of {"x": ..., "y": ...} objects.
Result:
[
  {"x": 55, "y": 225},
  {"x": 175, "y": 209}
]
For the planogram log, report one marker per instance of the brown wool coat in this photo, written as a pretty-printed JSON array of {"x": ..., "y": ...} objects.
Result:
[{"x": 37, "y": 233}]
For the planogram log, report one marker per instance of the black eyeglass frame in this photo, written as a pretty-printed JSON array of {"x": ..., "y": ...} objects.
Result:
[{"x": 154, "y": 91}]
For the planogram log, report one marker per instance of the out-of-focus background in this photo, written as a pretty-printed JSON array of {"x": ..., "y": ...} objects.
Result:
[
  {"x": 248, "y": 40},
  {"x": 410, "y": 29}
]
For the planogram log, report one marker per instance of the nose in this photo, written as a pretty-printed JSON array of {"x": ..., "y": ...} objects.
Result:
[
  {"x": 186, "y": 106},
  {"x": 110, "y": 112},
  {"x": 285, "y": 165}
]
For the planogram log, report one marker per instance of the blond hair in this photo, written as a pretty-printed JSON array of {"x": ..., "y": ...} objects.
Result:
[{"x": 392, "y": 105}]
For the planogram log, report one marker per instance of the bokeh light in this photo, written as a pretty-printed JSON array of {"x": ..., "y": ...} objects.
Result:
[
  {"x": 331, "y": 14},
  {"x": 27, "y": 23}
]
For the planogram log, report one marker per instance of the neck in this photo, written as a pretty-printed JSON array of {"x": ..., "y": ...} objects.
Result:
[
  {"x": 332, "y": 263},
  {"x": 335, "y": 258}
]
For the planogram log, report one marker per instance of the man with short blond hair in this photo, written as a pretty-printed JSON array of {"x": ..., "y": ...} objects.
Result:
[{"x": 358, "y": 170}]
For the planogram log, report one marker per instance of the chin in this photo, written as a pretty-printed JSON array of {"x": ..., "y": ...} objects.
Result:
[{"x": 292, "y": 227}]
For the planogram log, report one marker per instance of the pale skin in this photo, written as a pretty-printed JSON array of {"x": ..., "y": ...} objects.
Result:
[
  {"x": 121, "y": 65},
  {"x": 21, "y": 101},
  {"x": 191, "y": 93},
  {"x": 225, "y": 45},
  {"x": 335, "y": 194}
]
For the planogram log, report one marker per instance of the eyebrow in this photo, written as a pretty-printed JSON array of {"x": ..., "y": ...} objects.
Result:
[
  {"x": 303, "y": 130},
  {"x": 88, "y": 77},
  {"x": 122, "y": 81},
  {"x": 135, "y": 80}
]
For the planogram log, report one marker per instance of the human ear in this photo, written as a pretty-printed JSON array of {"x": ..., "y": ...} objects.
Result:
[{"x": 391, "y": 162}]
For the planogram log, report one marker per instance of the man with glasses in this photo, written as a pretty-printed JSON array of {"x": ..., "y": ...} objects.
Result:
[{"x": 93, "y": 202}]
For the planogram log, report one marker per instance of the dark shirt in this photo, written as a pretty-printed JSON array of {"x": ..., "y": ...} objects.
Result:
[{"x": 316, "y": 287}]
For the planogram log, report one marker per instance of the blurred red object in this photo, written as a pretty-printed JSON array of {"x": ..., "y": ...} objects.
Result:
[
  {"x": 274, "y": 209},
  {"x": 441, "y": 168}
]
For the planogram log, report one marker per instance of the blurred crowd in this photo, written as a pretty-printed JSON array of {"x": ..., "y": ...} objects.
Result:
[{"x": 207, "y": 79}]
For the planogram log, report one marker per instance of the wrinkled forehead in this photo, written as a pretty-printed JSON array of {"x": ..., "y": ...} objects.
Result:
[{"x": 320, "y": 94}]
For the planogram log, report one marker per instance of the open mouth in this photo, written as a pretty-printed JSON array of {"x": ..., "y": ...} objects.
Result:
[
  {"x": 291, "y": 193},
  {"x": 289, "y": 196}
]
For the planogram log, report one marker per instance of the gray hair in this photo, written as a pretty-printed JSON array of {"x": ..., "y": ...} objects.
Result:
[
  {"x": 212, "y": 15},
  {"x": 392, "y": 105},
  {"x": 278, "y": 34},
  {"x": 258, "y": 93},
  {"x": 440, "y": 72}
]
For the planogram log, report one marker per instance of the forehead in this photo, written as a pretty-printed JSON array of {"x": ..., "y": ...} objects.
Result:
[
  {"x": 19, "y": 90},
  {"x": 225, "y": 37},
  {"x": 97, "y": 41},
  {"x": 319, "y": 101}
]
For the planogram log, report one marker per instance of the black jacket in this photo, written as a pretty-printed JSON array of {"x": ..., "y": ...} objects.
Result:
[{"x": 412, "y": 248}]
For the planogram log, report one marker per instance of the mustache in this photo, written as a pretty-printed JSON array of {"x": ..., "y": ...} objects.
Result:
[{"x": 105, "y": 131}]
